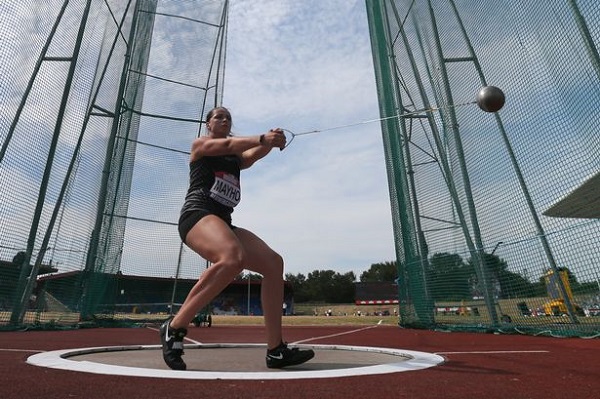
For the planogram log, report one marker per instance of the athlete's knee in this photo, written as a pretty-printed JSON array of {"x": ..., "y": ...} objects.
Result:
[
  {"x": 232, "y": 260},
  {"x": 235, "y": 265},
  {"x": 276, "y": 262}
]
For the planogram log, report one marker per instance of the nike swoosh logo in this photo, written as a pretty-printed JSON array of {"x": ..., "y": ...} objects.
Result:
[{"x": 278, "y": 357}]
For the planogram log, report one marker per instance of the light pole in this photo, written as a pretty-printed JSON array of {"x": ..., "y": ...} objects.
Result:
[{"x": 248, "y": 276}]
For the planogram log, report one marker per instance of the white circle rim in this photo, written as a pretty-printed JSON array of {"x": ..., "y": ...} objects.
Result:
[{"x": 59, "y": 359}]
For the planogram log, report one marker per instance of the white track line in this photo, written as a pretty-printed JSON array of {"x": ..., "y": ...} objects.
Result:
[
  {"x": 488, "y": 352},
  {"x": 21, "y": 350},
  {"x": 334, "y": 335},
  {"x": 186, "y": 338},
  {"x": 301, "y": 341},
  {"x": 408, "y": 361}
]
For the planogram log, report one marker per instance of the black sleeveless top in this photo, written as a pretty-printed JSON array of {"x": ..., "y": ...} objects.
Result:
[{"x": 214, "y": 185}]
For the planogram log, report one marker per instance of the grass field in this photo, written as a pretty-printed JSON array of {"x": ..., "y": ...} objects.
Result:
[
  {"x": 315, "y": 315},
  {"x": 309, "y": 320},
  {"x": 342, "y": 314},
  {"x": 349, "y": 309}
]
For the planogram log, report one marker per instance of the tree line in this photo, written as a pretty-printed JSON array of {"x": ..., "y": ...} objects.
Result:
[{"x": 449, "y": 277}]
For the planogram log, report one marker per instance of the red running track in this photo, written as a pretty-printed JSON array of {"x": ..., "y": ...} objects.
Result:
[{"x": 483, "y": 366}]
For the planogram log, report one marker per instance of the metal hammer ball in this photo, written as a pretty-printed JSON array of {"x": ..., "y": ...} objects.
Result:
[{"x": 490, "y": 99}]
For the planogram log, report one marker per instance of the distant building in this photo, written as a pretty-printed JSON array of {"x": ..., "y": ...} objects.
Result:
[
  {"x": 10, "y": 272},
  {"x": 141, "y": 294},
  {"x": 376, "y": 293}
]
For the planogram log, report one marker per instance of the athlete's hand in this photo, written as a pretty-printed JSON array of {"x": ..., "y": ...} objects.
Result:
[{"x": 275, "y": 138}]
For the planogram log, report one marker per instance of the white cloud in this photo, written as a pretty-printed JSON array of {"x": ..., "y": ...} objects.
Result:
[
  {"x": 323, "y": 202},
  {"x": 302, "y": 65}
]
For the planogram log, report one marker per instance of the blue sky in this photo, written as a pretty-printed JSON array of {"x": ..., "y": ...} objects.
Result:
[
  {"x": 302, "y": 65},
  {"x": 323, "y": 203}
]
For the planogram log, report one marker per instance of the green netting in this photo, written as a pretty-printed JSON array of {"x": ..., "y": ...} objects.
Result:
[
  {"x": 483, "y": 219},
  {"x": 99, "y": 102}
]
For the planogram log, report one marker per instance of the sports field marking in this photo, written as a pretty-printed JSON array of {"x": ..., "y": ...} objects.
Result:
[
  {"x": 297, "y": 342},
  {"x": 186, "y": 338},
  {"x": 488, "y": 352},
  {"x": 334, "y": 335},
  {"x": 21, "y": 350},
  {"x": 406, "y": 361}
]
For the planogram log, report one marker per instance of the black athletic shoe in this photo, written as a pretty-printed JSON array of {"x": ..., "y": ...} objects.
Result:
[
  {"x": 172, "y": 345},
  {"x": 282, "y": 356}
]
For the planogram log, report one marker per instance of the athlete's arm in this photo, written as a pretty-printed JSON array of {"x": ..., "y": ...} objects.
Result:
[
  {"x": 274, "y": 138},
  {"x": 208, "y": 146},
  {"x": 249, "y": 148}
]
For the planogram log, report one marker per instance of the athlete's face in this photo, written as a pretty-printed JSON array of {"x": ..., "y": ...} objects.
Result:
[{"x": 220, "y": 123}]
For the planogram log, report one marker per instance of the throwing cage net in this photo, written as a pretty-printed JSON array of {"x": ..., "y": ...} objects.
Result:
[
  {"x": 99, "y": 103},
  {"x": 496, "y": 215}
]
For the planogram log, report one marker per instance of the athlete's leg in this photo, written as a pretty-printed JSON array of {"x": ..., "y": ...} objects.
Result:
[
  {"x": 215, "y": 241},
  {"x": 260, "y": 258}
]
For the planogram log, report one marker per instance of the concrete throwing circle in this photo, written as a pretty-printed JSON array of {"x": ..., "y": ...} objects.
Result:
[{"x": 235, "y": 362}]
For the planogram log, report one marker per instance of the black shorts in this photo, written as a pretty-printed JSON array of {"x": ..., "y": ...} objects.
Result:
[{"x": 189, "y": 219}]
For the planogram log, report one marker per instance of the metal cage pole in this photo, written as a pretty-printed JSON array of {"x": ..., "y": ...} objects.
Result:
[
  {"x": 36, "y": 70},
  {"x": 20, "y": 308},
  {"x": 92, "y": 255},
  {"x": 478, "y": 254},
  {"x": 515, "y": 164}
]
